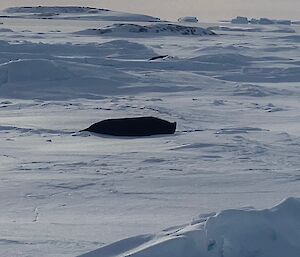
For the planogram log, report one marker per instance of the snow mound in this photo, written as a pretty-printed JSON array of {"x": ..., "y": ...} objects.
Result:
[
  {"x": 166, "y": 29},
  {"x": 272, "y": 232},
  {"x": 53, "y": 9}
]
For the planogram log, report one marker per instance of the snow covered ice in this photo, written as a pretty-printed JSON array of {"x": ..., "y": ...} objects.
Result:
[{"x": 233, "y": 90}]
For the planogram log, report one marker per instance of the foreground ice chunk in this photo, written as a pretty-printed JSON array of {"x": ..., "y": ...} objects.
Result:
[{"x": 272, "y": 232}]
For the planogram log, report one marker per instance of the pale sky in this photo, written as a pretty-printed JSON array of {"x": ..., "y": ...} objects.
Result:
[{"x": 205, "y": 10}]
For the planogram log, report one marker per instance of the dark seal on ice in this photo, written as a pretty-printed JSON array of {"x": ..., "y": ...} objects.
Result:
[{"x": 139, "y": 126}]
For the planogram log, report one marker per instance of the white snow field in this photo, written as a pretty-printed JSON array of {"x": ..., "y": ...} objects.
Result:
[{"x": 209, "y": 190}]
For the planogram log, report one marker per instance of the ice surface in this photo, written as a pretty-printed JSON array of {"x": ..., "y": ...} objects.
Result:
[{"x": 234, "y": 95}]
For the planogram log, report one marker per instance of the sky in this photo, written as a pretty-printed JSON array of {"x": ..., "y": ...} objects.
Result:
[{"x": 205, "y": 10}]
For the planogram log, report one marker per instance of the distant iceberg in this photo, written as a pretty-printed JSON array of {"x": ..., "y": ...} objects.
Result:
[
  {"x": 188, "y": 19},
  {"x": 266, "y": 21},
  {"x": 261, "y": 21},
  {"x": 240, "y": 20}
]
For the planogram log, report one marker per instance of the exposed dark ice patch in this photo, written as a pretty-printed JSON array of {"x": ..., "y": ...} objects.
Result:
[
  {"x": 239, "y": 130},
  {"x": 70, "y": 186}
]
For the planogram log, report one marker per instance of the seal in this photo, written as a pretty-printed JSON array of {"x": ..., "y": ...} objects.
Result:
[{"x": 136, "y": 127}]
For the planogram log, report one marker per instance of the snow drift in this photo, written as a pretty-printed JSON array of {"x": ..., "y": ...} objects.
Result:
[
  {"x": 272, "y": 232},
  {"x": 165, "y": 29}
]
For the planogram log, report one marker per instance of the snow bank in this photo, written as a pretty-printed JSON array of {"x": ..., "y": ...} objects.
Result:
[
  {"x": 272, "y": 232},
  {"x": 166, "y": 29}
]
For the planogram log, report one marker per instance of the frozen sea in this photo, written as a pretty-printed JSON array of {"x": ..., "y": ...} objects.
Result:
[{"x": 234, "y": 93}]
